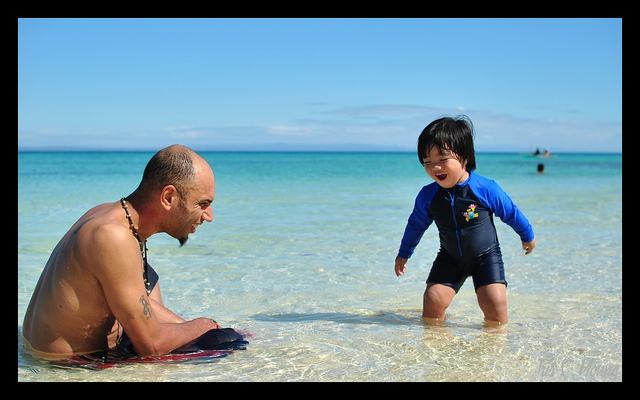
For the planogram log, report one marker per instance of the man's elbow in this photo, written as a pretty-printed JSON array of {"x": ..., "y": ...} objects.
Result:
[{"x": 148, "y": 348}]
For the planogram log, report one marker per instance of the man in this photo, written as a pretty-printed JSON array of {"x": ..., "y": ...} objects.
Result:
[{"x": 97, "y": 282}]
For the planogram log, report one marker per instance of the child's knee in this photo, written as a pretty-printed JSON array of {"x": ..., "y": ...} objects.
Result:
[
  {"x": 493, "y": 302},
  {"x": 438, "y": 297}
]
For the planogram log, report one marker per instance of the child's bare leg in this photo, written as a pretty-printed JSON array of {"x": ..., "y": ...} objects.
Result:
[
  {"x": 436, "y": 299},
  {"x": 492, "y": 299}
]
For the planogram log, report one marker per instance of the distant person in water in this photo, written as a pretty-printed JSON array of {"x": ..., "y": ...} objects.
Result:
[
  {"x": 462, "y": 204},
  {"x": 540, "y": 168},
  {"x": 97, "y": 282}
]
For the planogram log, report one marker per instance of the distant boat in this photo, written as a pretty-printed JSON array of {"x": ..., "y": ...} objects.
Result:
[
  {"x": 529, "y": 155},
  {"x": 538, "y": 154}
]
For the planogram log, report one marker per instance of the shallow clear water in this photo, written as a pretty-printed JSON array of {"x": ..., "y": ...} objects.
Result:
[{"x": 301, "y": 252}]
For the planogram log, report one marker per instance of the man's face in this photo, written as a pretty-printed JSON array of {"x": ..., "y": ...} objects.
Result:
[{"x": 195, "y": 207}]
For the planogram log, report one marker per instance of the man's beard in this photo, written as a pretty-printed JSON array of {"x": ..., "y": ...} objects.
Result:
[{"x": 183, "y": 207}]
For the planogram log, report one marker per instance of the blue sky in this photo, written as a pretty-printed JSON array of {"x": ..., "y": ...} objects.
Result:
[{"x": 318, "y": 84}]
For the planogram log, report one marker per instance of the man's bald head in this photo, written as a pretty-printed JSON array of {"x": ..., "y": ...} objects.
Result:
[{"x": 174, "y": 165}]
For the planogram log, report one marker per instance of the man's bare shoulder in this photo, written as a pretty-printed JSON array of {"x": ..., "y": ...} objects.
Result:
[{"x": 103, "y": 230}]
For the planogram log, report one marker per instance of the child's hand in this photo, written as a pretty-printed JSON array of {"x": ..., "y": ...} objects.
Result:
[
  {"x": 401, "y": 265},
  {"x": 529, "y": 246}
]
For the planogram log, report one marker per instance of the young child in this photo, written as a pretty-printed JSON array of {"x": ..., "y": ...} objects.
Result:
[{"x": 462, "y": 205}]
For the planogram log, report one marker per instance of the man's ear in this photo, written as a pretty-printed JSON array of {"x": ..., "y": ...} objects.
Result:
[{"x": 168, "y": 196}]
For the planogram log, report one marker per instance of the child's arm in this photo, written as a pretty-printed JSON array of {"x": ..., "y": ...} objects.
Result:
[
  {"x": 418, "y": 222},
  {"x": 499, "y": 202},
  {"x": 401, "y": 265}
]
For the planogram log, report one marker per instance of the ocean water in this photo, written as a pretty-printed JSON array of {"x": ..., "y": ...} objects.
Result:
[{"x": 301, "y": 252}]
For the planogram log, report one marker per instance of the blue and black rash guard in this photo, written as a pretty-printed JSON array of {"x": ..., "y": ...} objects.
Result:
[{"x": 464, "y": 217}]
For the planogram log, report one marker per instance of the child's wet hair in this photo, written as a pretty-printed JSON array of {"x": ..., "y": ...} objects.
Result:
[{"x": 454, "y": 134}]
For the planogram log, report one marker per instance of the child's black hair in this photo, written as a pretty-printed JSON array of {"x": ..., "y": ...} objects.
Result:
[{"x": 452, "y": 134}]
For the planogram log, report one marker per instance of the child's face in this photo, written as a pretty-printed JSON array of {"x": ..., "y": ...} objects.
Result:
[{"x": 445, "y": 168}]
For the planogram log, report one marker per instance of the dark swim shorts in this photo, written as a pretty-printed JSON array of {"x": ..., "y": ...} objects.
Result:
[
  {"x": 485, "y": 269},
  {"x": 152, "y": 277}
]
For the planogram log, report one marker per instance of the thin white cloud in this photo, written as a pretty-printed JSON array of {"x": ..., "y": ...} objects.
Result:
[
  {"x": 373, "y": 126},
  {"x": 184, "y": 132},
  {"x": 281, "y": 130},
  {"x": 495, "y": 131}
]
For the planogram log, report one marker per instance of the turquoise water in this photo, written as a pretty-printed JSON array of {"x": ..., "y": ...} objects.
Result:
[{"x": 301, "y": 252}]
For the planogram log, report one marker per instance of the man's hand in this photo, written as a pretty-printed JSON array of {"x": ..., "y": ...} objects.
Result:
[{"x": 401, "y": 265}]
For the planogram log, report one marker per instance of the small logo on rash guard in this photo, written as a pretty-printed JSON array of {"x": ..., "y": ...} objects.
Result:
[{"x": 471, "y": 212}]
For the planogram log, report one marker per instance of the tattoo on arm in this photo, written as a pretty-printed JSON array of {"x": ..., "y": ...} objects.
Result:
[{"x": 146, "y": 309}]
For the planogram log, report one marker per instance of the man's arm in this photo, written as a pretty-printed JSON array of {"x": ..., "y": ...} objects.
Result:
[
  {"x": 163, "y": 314},
  {"x": 118, "y": 267}
]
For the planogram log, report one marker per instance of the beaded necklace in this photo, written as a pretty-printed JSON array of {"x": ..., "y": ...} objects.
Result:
[{"x": 143, "y": 248}]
